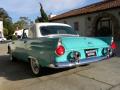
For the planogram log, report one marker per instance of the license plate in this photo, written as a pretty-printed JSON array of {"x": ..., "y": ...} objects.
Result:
[{"x": 90, "y": 52}]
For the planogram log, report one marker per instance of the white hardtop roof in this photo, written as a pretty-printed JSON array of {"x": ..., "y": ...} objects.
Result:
[{"x": 51, "y": 24}]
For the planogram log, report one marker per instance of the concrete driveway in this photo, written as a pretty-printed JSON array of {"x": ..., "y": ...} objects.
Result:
[{"x": 104, "y": 75}]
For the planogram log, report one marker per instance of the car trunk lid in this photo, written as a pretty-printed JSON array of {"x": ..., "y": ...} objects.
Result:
[{"x": 82, "y": 43}]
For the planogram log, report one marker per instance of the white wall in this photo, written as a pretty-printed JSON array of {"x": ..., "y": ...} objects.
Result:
[
  {"x": 89, "y": 24},
  {"x": 71, "y": 21},
  {"x": 1, "y": 27},
  {"x": 19, "y": 32},
  {"x": 85, "y": 25}
]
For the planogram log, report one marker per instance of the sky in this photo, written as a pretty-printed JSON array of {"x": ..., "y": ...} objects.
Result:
[{"x": 31, "y": 8}]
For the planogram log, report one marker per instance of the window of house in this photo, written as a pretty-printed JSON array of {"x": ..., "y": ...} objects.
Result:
[
  {"x": 76, "y": 26},
  {"x": 65, "y": 22}
]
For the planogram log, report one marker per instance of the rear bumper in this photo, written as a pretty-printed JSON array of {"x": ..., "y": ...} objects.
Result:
[{"x": 81, "y": 62}]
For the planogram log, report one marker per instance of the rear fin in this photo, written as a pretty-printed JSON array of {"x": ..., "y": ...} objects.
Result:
[
  {"x": 113, "y": 44},
  {"x": 60, "y": 50},
  {"x": 59, "y": 42}
]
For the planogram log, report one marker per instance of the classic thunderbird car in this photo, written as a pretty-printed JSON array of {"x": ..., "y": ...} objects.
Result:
[{"x": 56, "y": 45}]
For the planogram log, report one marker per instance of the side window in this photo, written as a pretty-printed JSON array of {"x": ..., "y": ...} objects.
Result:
[
  {"x": 32, "y": 32},
  {"x": 76, "y": 26},
  {"x": 25, "y": 34}
]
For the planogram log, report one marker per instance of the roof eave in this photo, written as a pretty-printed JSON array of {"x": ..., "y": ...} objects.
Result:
[{"x": 80, "y": 14}]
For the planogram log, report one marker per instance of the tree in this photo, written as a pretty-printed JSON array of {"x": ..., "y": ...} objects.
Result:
[
  {"x": 22, "y": 23},
  {"x": 3, "y": 14},
  {"x": 38, "y": 19},
  {"x": 7, "y": 23},
  {"x": 43, "y": 14},
  {"x": 5, "y": 31},
  {"x": 44, "y": 17}
]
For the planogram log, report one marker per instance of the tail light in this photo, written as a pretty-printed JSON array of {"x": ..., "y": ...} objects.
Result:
[
  {"x": 60, "y": 50},
  {"x": 113, "y": 45}
]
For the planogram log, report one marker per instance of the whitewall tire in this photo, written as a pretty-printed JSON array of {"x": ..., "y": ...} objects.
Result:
[{"x": 35, "y": 67}]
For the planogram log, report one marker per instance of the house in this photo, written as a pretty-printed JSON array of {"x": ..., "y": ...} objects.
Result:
[
  {"x": 1, "y": 28},
  {"x": 18, "y": 32},
  {"x": 99, "y": 19}
]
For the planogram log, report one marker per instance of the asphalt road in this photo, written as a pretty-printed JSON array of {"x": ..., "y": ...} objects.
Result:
[{"x": 104, "y": 75}]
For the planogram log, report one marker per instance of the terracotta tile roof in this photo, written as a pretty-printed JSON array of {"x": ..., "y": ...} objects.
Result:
[{"x": 104, "y": 5}]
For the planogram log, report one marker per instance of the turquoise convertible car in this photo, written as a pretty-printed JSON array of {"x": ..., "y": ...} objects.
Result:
[{"x": 56, "y": 45}]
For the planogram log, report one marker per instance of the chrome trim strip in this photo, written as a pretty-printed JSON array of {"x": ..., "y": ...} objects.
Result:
[{"x": 81, "y": 62}]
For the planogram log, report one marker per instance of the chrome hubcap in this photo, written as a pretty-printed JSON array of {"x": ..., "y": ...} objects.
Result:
[
  {"x": 11, "y": 58},
  {"x": 35, "y": 66}
]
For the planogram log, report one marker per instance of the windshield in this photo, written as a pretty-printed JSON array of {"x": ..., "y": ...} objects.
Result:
[{"x": 48, "y": 30}]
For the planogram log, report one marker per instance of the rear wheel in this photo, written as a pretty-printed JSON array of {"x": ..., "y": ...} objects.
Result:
[
  {"x": 35, "y": 67},
  {"x": 12, "y": 58}
]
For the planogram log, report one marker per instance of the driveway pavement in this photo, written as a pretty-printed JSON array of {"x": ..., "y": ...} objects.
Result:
[{"x": 104, "y": 75}]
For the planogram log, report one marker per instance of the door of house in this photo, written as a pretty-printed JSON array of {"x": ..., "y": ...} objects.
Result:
[{"x": 104, "y": 27}]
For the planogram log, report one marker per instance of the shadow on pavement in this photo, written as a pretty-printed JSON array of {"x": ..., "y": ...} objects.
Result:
[
  {"x": 117, "y": 52},
  {"x": 20, "y": 70}
]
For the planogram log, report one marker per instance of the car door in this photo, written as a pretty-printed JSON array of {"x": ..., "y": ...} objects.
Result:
[{"x": 20, "y": 51}]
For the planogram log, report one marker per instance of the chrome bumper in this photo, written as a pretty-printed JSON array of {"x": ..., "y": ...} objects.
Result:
[{"x": 81, "y": 62}]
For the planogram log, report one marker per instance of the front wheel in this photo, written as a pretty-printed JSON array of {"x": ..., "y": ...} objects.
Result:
[
  {"x": 35, "y": 67},
  {"x": 12, "y": 58}
]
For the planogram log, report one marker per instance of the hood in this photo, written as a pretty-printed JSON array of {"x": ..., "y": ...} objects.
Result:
[{"x": 82, "y": 43}]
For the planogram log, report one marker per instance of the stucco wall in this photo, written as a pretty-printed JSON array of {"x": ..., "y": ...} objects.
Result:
[
  {"x": 71, "y": 21},
  {"x": 1, "y": 27},
  {"x": 87, "y": 22}
]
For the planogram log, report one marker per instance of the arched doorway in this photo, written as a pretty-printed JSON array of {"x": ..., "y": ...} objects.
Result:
[
  {"x": 106, "y": 24},
  {"x": 104, "y": 27}
]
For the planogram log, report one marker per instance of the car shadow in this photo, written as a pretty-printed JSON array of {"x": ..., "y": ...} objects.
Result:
[
  {"x": 19, "y": 70},
  {"x": 4, "y": 42},
  {"x": 117, "y": 52}
]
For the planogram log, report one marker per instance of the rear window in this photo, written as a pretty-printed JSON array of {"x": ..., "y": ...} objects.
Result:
[{"x": 47, "y": 30}]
